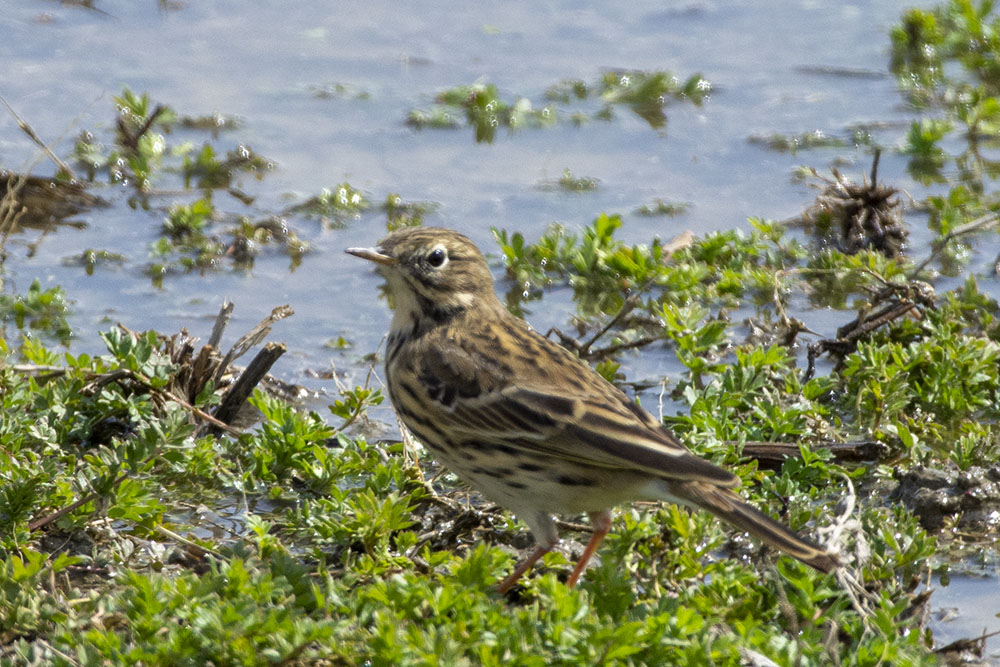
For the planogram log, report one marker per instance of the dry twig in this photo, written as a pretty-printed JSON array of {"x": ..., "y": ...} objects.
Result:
[
  {"x": 895, "y": 301},
  {"x": 979, "y": 224},
  {"x": 24, "y": 127}
]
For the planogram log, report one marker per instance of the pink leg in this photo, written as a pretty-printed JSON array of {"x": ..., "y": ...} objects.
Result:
[
  {"x": 523, "y": 567},
  {"x": 601, "y": 523}
]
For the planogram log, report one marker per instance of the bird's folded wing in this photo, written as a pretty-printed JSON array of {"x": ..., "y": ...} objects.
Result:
[{"x": 590, "y": 430}]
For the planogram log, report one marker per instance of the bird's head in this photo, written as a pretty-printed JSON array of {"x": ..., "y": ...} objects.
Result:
[{"x": 431, "y": 272}]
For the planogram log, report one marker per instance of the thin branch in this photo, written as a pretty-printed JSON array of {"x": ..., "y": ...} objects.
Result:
[
  {"x": 63, "y": 511},
  {"x": 965, "y": 644},
  {"x": 23, "y": 125},
  {"x": 251, "y": 338},
  {"x": 244, "y": 385},
  {"x": 979, "y": 224},
  {"x": 221, "y": 322},
  {"x": 627, "y": 307},
  {"x": 191, "y": 545}
]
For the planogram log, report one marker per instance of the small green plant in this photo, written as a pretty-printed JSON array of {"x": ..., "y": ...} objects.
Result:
[
  {"x": 942, "y": 372},
  {"x": 354, "y": 403},
  {"x": 567, "y": 91},
  {"x": 334, "y": 207},
  {"x": 213, "y": 173},
  {"x": 482, "y": 107},
  {"x": 697, "y": 338},
  {"x": 401, "y": 213},
  {"x": 926, "y": 156},
  {"x": 661, "y": 207},
  {"x": 646, "y": 93},
  {"x": 185, "y": 223},
  {"x": 43, "y": 311},
  {"x": 141, "y": 149},
  {"x": 944, "y": 58},
  {"x": 717, "y": 269},
  {"x": 288, "y": 444},
  {"x": 484, "y": 111},
  {"x": 571, "y": 183},
  {"x": 791, "y": 144},
  {"x": 91, "y": 258},
  {"x": 958, "y": 31},
  {"x": 141, "y": 155}
]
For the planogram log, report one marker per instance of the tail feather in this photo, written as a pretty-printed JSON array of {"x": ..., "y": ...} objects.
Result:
[{"x": 727, "y": 505}]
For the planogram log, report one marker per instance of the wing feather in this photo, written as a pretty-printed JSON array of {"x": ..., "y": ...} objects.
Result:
[
  {"x": 585, "y": 431},
  {"x": 476, "y": 394}
]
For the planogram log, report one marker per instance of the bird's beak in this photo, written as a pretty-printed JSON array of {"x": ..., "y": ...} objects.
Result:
[{"x": 372, "y": 254}]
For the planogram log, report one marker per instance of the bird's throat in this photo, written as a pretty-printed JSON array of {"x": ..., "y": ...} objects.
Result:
[{"x": 414, "y": 314}]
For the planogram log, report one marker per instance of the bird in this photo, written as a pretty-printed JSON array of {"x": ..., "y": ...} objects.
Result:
[{"x": 525, "y": 421}]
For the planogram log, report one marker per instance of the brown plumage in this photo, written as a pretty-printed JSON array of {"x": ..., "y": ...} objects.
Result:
[{"x": 524, "y": 421}]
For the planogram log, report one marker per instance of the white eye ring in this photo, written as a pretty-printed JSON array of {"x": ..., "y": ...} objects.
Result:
[{"x": 437, "y": 257}]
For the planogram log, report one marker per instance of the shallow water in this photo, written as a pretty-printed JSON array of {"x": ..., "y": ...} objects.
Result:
[
  {"x": 794, "y": 68},
  {"x": 789, "y": 68},
  {"x": 966, "y": 608}
]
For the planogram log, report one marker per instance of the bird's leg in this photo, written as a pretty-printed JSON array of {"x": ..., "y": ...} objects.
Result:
[
  {"x": 601, "y": 523},
  {"x": 523, "y": 567},
  {"x": 546, "y": 538}
]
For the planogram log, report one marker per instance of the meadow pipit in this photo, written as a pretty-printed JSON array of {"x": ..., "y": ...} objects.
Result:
[{"x": 523, "y": 420}]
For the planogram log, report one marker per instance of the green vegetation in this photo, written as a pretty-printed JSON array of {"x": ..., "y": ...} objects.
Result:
[
  {"x": 645, "y": 93},
  {"x": 660, "y": 207},
  {"x": 38, "y": 310},
  {"x": 340, "y": 549},
  {"x": 570, "y": 183},
  {"x": 943, "y": 367},
  {"x": 792, "y": 144},
  {"x": 140, "y": 156},
  {"x": 90, "y": 259},
  {"x": 945, "y": 60},
  {"x": 334, "y": 207},
  {"x": 401, "y": 213},
  {"x": 149, "y": 153},
  {"x": 481, "y": 106},
  {"x": 720, "y": 269},
  {"x": 347, "y": 550},
  {"x": 926, "y": 157}
]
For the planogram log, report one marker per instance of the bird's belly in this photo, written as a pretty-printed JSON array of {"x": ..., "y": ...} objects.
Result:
[{"x": 529, "y": 482}]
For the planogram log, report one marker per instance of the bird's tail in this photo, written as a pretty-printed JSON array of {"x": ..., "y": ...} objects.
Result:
[{"x": 727, "y": 505}]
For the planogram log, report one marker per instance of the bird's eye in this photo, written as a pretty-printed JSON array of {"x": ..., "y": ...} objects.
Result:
[{"x": 437, "y": 257}]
